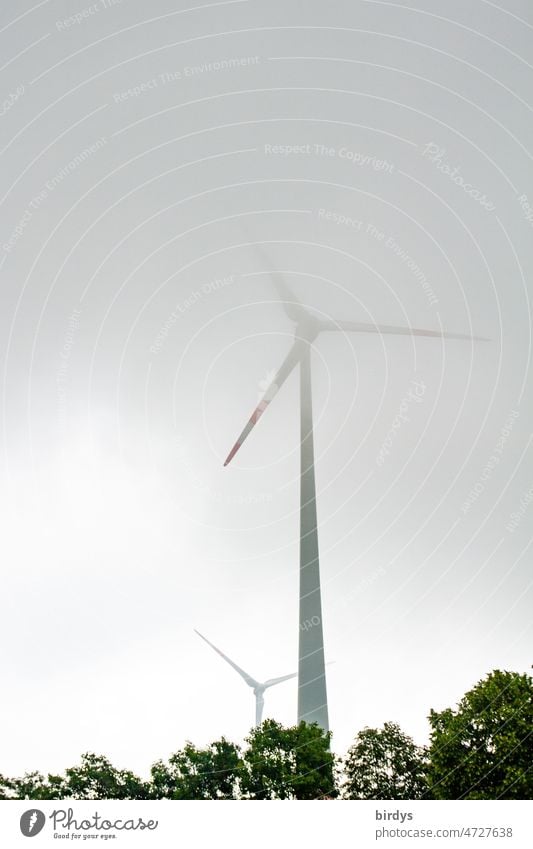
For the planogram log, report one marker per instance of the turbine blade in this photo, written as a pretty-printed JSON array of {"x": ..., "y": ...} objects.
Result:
[
  {"x": 291, "y": 305},
  {"x": 248, "y": 678},
  {"x": 272, "y": 681},
  {"x": 361, "y": 327},
  {"x": 291, "y": 360},
  {"x": 292, "y": 308}
]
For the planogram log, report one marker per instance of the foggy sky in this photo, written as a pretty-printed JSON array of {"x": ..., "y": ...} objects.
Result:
[{"x": 381, "y": 155}]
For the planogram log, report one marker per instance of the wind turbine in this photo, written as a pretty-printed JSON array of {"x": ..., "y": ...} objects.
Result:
[
  {"x": 312, "y": 692},
  {"x": 257, "y": 686}
]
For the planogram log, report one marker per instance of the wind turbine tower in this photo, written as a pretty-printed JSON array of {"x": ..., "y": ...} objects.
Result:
[{"x": 312, "y": 692}]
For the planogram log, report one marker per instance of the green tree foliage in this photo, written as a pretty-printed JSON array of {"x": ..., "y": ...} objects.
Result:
[
  {"x": 33, "y": 785},
  {"x": 481, "y": 750},
  {"x": 96, "y": 778},
  {"x": 484, "y": 748},
  {"x": 6, "y": 788},
  {"x": 192, "y": 773},
  {"x": 384, "y": 763},
  {"x": 288, "y": 763}
]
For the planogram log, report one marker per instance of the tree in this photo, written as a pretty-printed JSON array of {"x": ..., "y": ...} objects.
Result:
[
  {"x": 192, "y": 773},
  {"x": 483, "y": 749},
  {"x": 384, "y": 763},
  {"x": 33, "y": 785},
  {"x": 96, "y": 778},
  {"x": 288, "y": 763},
  {"x": 6, "y": 788}
]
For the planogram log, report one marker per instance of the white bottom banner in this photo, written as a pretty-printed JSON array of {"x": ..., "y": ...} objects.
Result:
[{"x": 267, "y": 824}]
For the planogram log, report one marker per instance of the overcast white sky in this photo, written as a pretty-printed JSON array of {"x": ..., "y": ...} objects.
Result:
[{"x": 138, "y": 328}]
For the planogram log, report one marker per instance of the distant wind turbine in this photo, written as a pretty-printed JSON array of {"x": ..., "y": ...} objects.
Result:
[
  {"x": 312, "y": 693},
  {"x": 257, "y": 686}
]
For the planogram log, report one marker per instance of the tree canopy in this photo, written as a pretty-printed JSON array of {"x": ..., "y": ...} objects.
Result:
[
  {"x": 385, "y": 764},
  {"x": 192, "y": 773},
  {"x": 288, "y": 763},
  {"x": 484, "y": 748}
]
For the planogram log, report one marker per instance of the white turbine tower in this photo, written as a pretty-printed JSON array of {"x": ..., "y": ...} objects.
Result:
[
  {"x": 312, "y": 693},
  {"x": 258, "y": 687}
]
